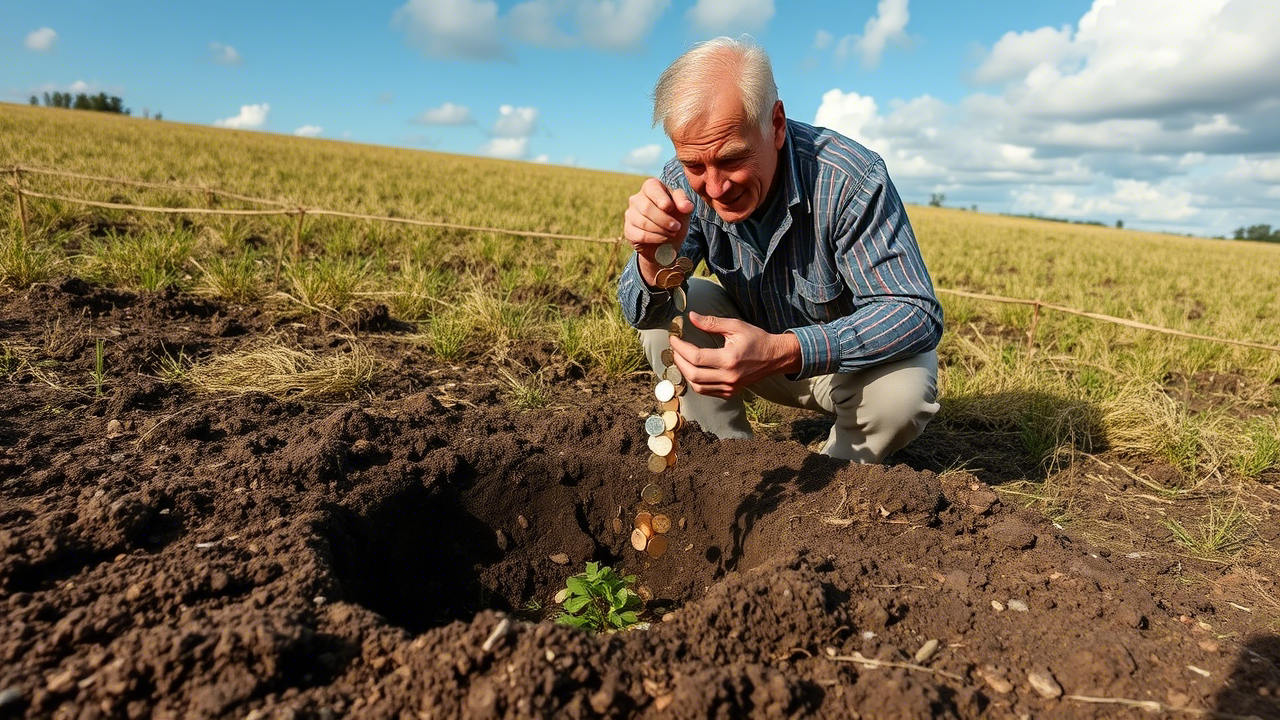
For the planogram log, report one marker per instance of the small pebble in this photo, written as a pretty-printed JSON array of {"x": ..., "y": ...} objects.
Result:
[
  {"x": 996, "y": 680},
  {"x": 926, "y": 651},
  {"x": 1044, "y": 683},
  {"x": 10, "y": 695},
  {"x": 997, "y": 606},
  {"x": 60, "y": 682},
  {"x": 868, "y": 635},
  {"x": 501, "y": 538},
  {"x": 1018, "y": 605},
  {"x": 560, "y": 596},
  {"x": 522, "y": 522},
  {"x": 319, "y": 599},
  {"x": 559, "y": 558},
  {"x": 115, "y": 429},
  {"x": 1210, "y": 646},
  {"x": 669, "y": 617}
]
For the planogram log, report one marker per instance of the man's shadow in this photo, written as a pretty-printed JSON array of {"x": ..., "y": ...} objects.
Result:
[{"x": 1253, "y": 688}]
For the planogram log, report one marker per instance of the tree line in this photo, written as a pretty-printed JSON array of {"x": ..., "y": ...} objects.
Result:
[
  {"x": 82, "y": 101},
  {"x": 1260, "y": 233}
]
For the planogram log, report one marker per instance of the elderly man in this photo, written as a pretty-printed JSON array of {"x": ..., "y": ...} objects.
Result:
[{"x": 823, "y": 300}]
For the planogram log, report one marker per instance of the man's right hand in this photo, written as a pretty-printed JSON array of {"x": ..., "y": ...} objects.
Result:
[{"x": 656, "y": 216}]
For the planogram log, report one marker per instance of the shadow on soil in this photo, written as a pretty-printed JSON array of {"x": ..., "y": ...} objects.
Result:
[{"x": 1253, "y": 689}]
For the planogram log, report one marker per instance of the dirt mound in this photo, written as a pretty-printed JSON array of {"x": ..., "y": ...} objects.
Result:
[{"x": 168, "y": 555}]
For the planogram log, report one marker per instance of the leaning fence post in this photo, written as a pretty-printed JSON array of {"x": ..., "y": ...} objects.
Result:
[
  {"x": 1031, "y": 333},
  {"x": 297, "y": 235},
  {"x": 613, "y": 256},
  {"x": 22, "y": 201}
]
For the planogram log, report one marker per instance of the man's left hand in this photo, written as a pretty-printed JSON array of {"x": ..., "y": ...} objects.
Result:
[{"x": 749, "y": 355}]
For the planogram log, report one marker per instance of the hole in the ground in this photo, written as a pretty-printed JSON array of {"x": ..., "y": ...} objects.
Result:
[{"x": 423, "y": 556}]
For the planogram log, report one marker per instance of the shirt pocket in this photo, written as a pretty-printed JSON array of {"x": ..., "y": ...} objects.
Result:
[{"x": 819, "y": 296}]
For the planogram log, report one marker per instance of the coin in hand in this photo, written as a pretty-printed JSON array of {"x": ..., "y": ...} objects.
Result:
[{"x": 665, "y": 254}]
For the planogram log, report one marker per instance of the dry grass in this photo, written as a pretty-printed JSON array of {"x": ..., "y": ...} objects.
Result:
[{"x": 281, "y": 371}]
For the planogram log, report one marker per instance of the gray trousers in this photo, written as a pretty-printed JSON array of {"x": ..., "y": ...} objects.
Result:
[{"x": 877, "y": 410}]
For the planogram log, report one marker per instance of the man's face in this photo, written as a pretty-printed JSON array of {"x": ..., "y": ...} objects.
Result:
[{"x": 729, "y": 162}]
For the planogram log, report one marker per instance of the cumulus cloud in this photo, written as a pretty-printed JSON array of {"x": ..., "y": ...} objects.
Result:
[
  {"x": 446, "y": 114},
  {"x": 224, "y": 54},
  {"x": 308, "y": 131},
  {"x": 1168, "y": 125},
  {"x": 515, "y": 122},
  {"x": 542, "y": 159},
  {"x": 475, "y": 30},
  {"x": 643, "y": 157},
  {"x": 731, "y": 15},
  {"x": 888, "y": 25},
  {"x": 822, "y": 40},
  {"x": 509, "y": 148},
  {"x": 250, "y": 117},
  {"x": 452, "y": 28},
  {"x": 41, "y": 40}
]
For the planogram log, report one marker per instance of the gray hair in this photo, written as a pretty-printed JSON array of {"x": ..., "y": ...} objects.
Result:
[{"x": 681, "y": 95}]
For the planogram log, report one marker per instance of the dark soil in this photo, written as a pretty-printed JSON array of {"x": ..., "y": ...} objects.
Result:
[{"x": 169, "y": 555}]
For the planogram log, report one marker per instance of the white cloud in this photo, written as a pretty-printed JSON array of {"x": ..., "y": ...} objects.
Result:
[
  {"x": 250, "y": 117},
  {"x": 1016, "y": 54},
  {"x": 822, "y": 40},
  {"x": 643, "y": 157},
  {"x": 621, "y": 24},
  {"x": 515, "y": 122},
  {"x": 510, "y": 148},
  {"x": 1263, "y": 170},
  {"x": 41, "y": 40},
  {"x": 446, "y": 114},
  {"x": 1134, "y": 199},
  {"x": 888, "y": 25},
  {"x": 452, "y": 28},
  {"x": 731, "y": 15},
  {"x": 224, "y": 54},
  {"x": 543, "y": 159},
  {"x": 1220, "y": 124},
  {"x": 308, "y": 131}
]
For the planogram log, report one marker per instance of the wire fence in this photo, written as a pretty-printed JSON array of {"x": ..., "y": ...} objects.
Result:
[{"x": 281, "y": 208}]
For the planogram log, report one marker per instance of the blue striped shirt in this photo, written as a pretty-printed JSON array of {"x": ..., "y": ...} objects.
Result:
[{"x": 842, "y": 271}]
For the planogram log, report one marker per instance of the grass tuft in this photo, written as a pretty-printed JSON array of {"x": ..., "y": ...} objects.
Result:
[
  {"x": 281, "y": 371},
  {"x": 148, "y": 260},
  {"x": 24, "y": 262},
  {"x": 233, "y": 280},
  {"x": 328, "y": 283},
  {"x": 1220, "y": 535},
  {"x": 527, "y": 391}
]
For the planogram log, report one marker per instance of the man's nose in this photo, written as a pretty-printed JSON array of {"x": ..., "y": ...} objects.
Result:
[{"x": 717, "y": 184}]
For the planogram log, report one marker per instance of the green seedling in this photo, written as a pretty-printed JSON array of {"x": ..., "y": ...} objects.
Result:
[
  {"x": 99, "y": 368},
  {"x": 600, "y": 600}
]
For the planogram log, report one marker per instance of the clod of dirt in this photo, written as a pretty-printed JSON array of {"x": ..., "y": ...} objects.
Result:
[{"x": 1013, "y": 533}]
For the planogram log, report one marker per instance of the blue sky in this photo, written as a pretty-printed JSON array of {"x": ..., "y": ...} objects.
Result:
[{"x": 1158, "y": 113}]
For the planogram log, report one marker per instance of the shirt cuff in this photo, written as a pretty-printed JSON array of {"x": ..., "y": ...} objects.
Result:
[{"x": 819, "y": 351}]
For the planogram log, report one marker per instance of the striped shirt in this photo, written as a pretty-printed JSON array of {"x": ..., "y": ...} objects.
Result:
[{"x": 842, "y": 270}]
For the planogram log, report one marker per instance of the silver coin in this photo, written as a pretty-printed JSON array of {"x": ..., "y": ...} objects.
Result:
[
  {"x": 661, "y": 445},
  {"x": 684, "y": 265},
  {"x": 664, "y": 392},
  {"x": 665, "y": 255},
  {"x": 680, "y": 299},
  {"x": 655, "y": 425},
  {"x": 673, "y": 375}
]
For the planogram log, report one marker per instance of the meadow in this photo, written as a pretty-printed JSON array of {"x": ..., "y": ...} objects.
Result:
[{"x": 1139, "y": 442}]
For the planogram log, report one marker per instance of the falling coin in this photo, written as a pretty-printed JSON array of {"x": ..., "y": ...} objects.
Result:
[
  {"x": 655, "y": 425},
  {"x": 644, "y": 523},
  {"x": 657, "y": 463},
  {"x": 677, "y": 390},
  {"x": 676, "y": 327},
  {"x": 671, "y": 405},
  {"x": 651, "y": 494},
  {"x": 662, "y": 278},
  {"x": 638, "y": 540},
  {"x": 665, "y": 254},
  {"x": 657, "y": 547},
  {"x": 684, "y": 265},
  {"x": 671, "y": 459},
  {"x": 668, "y": 357},
  {"x": 673, "y": 375},
  {"x": 664, "y": 391},
  {"x": 670, "y": 421},
  {"x": 673, "y": 280},
  {"x": 661, "y": 445},
  {"x": 682, "y": 301},
  {"x": 661, "y": 524}
]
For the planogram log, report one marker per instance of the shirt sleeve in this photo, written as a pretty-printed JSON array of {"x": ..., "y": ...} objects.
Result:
[
  {"x": 649, "y": 307},
  {"x": 896, "y": 313}
]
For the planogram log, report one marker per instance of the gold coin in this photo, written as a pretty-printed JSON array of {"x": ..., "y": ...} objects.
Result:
[
  {"x": 661, "y": 524},
  {"x": 655, "y": 425},
  {"x": 644, "y": 523},
  {"x": 684, "y": 265},
  {"x": 662, "y": 277},
  {"x": 681, "y": 300},
  {"x": 661, "y": 445},
  {"x": 664, "y": 391},
  {"x": 672, "y": 404},
  {"x": 677, "y": 326},
  {"x": 651, "y": 494},
  {"x": 668, "y": 357},
  {"x": 665, "y": 255},
  {"x": 657, "y": 547},
  {"x": 639, "y": 540},
  {"x": 671, "y": 459},
  {"x": 674, "y": 279},
  {"x": 677, "y": 390},
  {"x": 670, "y": 420},
  {"x": 657, "y": 463},
  {"x": 674, "y": 376}
]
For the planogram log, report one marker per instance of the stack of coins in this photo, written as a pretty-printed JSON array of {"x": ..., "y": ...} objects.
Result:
[
  {"x": 650, "y": 534},
  {"x": 662, "y": 426}
]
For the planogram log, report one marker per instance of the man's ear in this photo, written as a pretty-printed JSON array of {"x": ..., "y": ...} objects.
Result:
[{"x": 779, "y": 126}]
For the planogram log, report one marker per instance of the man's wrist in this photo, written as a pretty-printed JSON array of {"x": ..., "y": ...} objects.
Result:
[{"x": 790, "y": 360}]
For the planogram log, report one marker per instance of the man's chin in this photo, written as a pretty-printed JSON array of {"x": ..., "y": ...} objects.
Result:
[{"x": 731, "y": 214}]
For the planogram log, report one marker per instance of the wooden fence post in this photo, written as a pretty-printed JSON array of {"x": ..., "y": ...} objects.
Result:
[
  {"x": 613, "y": 256},
  {"x": 22, "y": 201},
  {"x": 1031, "y": 333}
]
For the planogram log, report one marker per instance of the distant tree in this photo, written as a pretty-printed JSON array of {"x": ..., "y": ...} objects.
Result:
[
  {"x": 936, "y": 199},
  {"x": 1119, "y": 224},
  {"x": 82, "y": 101},
  {"x": 35, "y": 100},
  {"x": 973, "y": 208},
  {"x": 1257, "y": 233},
  {"x": 159, "y": 115}
]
